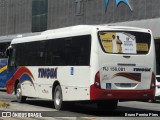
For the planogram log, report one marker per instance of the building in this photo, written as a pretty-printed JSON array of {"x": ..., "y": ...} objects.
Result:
[
  {"x": 30, "y": 16},
  {"x": 24, "y": 16}
]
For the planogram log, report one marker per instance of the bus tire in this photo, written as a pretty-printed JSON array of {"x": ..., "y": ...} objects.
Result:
[
  {"x": 19, "y": 96},
  {"x": 108, "y": 105},
  {"x": 152, "y": 101},
  {"x": 58, "y": 98}
]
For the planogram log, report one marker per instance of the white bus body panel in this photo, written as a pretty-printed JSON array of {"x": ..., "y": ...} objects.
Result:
[
  {"x": 119, "y": 69},
  {"x": 74, "y": 84}
]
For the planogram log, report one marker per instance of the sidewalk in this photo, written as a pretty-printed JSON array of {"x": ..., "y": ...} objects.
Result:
[{"x": 16, "y": 109}]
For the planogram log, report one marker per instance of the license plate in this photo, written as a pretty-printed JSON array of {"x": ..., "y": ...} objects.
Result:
[{"x": 125, "y": 84}]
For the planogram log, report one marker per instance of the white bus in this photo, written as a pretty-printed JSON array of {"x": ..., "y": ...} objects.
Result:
[{"x": 100, "y": 64}]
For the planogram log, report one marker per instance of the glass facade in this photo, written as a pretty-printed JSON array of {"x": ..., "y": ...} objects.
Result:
[{"x": 39, "y": 15}]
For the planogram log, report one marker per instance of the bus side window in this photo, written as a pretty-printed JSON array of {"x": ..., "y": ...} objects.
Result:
[{"x": 68, "y": 51}]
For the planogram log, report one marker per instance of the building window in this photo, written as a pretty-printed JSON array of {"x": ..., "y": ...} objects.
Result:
[
  {"x": 78, "y": 7},
  {"x": 39, "y": 15}
]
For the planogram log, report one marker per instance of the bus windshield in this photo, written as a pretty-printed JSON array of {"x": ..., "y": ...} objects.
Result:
[
  {"x": 125, "y": 42},
  {"x": 3, "y": 47}
]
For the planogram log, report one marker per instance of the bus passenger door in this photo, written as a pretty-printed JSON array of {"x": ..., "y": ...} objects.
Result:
[{"x": 11, "y": 53}]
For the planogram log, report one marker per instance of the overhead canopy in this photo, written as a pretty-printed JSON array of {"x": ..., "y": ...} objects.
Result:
[
  {"x": 153, "y": 24},
  {"x": 9, "y": 38}
]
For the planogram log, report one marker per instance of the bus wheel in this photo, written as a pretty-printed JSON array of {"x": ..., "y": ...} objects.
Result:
[
  {"x": 58, "y": 100},
  {"x": 19, "y": 96},
  {"x": 107, "y": 105},
  {"x": 152, "y": 101}
]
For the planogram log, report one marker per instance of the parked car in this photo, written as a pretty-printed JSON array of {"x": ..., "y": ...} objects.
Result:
[{"x": 157, "y": 94}]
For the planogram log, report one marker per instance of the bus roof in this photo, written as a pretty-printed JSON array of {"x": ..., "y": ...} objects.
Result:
[
  {"x": 77, "y": 30},
  {"x": 82, "y": 27}
]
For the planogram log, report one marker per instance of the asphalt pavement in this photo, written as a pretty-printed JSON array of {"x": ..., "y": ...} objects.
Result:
[{"x": 45, "y": 110}]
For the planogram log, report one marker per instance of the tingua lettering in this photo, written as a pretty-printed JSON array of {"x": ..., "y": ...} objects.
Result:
[
  {"x": 47, "y": 73},
  {"x": 142, "y": 69}
]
